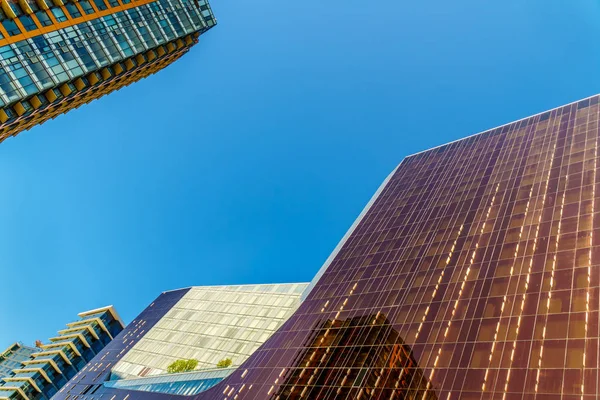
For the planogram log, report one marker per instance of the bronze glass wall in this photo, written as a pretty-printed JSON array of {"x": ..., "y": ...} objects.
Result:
[{"x": 474, "y": 275}]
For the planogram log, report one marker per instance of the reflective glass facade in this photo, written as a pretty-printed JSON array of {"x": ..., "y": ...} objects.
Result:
[
  {"x": 13, "y": 356},
  {"x": 44, "y": 372},
  {"x": 474, "y": 274},
  {"x": 186, "y": 384},
  {"x": 209, "y": 324},
  {"x": 56, "y": 55}
]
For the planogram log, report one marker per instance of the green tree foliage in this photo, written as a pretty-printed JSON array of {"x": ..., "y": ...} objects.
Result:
[
  {"x": 182, "y": 366},
  {"x": 224, "y": 363}
]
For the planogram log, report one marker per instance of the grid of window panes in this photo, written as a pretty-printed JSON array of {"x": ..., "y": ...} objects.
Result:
[
  {"x": 210, "y": 324},
  {"x": 26, "y": 18},
  {"x": 13, "y": 357},
  {"x": 481, "y": 256},
  {"x": 40, "y": 375},
  {"x": 30, "y": 66}
]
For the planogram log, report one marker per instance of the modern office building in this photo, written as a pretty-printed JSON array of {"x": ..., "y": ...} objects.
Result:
[
  {"x": 13, "y": 357},
  {"x": 56, "y": 55},
  {"x": 46, "y": 371},
  {"x": 209, "y": 324},
  {"x": 472, "y": 274}
]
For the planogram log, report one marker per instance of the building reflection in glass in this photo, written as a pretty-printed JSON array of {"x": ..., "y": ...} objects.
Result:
[{"x": 377, "y": 364}]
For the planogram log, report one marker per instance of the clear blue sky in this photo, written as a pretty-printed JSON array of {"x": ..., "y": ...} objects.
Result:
[{"x": 248, "y": 159}]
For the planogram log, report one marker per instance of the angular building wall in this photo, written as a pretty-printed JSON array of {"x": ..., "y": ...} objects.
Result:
[
  {"x": 211, "y": 323},
  {"x": 473, "y": 275}
]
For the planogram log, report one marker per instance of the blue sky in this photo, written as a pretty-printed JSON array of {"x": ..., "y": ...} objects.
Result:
[{"x": 247, "y": 160}]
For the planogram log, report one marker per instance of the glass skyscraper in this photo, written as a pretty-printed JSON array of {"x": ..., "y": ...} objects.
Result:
[
  {"x": 474, "y": 273},
  {"x": 56, "y": 55}
]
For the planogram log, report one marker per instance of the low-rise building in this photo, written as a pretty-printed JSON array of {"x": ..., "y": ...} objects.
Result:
[
  {"x": 209, "y": 324},
  {"x": 44, "y": 372}
]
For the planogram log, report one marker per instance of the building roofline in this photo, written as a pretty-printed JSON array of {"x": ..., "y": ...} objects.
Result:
[
  {"x": 348, "y": 233},
  {"x": 110, "y": 309},
  {"x": 9, "y": 348},
  {"x": 18, "y": 345},
  {"x": 237, "y": 285},
  {"x": 500, "y": 126}
]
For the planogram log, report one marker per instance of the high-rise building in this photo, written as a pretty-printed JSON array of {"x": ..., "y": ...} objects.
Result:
[
  {"x": 56, "y": 55},
  {"x": 44, "y": 372},
  {"x": 13, "y": 357},
  {"x": 474, "y": 273}
]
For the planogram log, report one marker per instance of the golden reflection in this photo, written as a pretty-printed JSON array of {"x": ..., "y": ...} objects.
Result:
[{"x": 362, "y": 357}]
